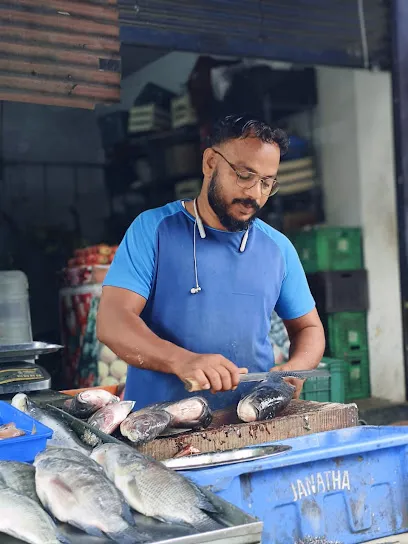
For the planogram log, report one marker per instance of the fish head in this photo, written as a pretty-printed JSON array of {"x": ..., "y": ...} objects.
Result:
[
  {"x": 100, "y": 453},
  {"x": 97, "y": 397},
  {"x": 21, "y": 402}
]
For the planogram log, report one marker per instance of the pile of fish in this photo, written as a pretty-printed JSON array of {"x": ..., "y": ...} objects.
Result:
[
  {"x": 108, "y": 413},
  {"x": 102, "y": 494},
  {"x": 9, "y": 430}
]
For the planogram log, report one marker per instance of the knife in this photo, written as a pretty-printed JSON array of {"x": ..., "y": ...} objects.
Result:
[{"x": 193, "y": 385}]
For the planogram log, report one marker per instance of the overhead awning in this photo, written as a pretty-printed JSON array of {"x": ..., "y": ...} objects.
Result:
[
  {"x": 352, "y": 33},
  {"x": 60, "y": 52}
]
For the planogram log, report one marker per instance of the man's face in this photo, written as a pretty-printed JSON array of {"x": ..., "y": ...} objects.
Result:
[{"x": 236, "y": 205}]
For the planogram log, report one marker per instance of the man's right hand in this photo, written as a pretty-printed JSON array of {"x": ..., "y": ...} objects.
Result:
[{"x": 213, "y": 372}]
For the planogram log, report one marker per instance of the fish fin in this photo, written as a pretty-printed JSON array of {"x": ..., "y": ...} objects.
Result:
[
  {"x": 63, "y": 538},
  {"x": 208, "y": 523},
  {"x": 131, "y": 535},
  {"x": 204, "y": 501},
  {"x": 127, "y": 514},
  {"x": 88, "y": 529},
  {"x": 174, "y": 521}
]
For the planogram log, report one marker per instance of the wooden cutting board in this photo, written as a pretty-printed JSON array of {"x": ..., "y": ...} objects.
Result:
[{"x": 226, "y": 432}]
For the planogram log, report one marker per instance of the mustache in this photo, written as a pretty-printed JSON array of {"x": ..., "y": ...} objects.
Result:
[{"x": 247, "y": 202}]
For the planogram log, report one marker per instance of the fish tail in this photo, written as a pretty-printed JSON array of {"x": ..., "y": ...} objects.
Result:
[
  {"x": 130, "y": 536},
  {"x": 207, "y": 523}
]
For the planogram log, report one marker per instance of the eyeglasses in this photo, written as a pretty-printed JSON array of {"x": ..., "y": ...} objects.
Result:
[{"x": 247, "y": 179}]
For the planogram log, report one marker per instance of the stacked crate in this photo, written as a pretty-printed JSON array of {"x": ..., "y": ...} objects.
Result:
[{"x": 332, "y": 258}]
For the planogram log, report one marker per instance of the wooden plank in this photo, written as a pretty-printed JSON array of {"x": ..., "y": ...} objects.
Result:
[{"x": 299, "y": 419}]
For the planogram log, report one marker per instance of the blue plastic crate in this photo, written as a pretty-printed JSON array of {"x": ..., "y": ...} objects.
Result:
[
  {"x": 349, "y": 485},
  {"x": 22, "y": 448}
]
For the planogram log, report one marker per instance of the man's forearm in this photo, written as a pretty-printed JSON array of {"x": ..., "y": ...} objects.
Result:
[
  {"x": 306, "y": 349},
  {"x": 128, "y": 336}
]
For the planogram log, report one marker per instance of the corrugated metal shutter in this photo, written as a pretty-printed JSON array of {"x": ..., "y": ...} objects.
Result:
[
  {"x": 60, "y": 52},
  {"x": 351, "y": 33}
]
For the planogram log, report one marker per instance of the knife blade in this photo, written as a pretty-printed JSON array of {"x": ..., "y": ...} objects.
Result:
[{"x": 192, "y": 385}]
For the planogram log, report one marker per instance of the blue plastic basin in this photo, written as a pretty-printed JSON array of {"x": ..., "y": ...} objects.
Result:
[{"x": 22, "y": 448}]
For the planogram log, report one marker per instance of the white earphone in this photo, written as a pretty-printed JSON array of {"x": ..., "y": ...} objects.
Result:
[{"x": 199, "y": 224}]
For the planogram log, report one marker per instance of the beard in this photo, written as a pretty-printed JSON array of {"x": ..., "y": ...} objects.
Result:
[{"x": 221, "y": 208}]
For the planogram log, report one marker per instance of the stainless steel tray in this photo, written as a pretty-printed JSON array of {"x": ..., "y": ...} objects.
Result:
[
  {"x": 240, "y": 529},
  {"x": 16, "y": 352},
  {"x": 227, "y": 457}
]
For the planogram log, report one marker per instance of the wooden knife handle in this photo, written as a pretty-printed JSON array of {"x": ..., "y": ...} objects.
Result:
[{"x": 192, "y": 385}]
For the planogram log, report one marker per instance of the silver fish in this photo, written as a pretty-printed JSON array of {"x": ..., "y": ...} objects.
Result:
[
  {"x": 67, "y": 454},
  {"x": 62, "y": 434},
  {"x": 23, "y": 518},
  {"x": 266, "y": 400},
  {"x": 154, "y": 490},
  {"x": 108, "y": 418},
  {"x": 78, "y": 494},
  {"x": 86, "y": 403},
  {"x": 20, "y": 477},
  {"x": 143, "y": 427},
  {"x": 189, "y": 413}
]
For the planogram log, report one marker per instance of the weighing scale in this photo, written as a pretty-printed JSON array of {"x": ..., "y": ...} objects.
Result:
[{"x": 19, "y": 372}]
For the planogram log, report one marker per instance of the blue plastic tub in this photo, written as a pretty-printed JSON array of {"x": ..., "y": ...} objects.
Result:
[
  {"x": 349, "y": 485},
  {"x": 22, "y": 448}
]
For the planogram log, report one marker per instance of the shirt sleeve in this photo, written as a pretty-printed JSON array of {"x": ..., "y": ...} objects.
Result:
[
  {"x": 134, "y": 263},
  {"x": 295, "y": 299}
]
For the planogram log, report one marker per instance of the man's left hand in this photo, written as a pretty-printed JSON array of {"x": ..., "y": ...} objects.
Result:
[{"x": 296, "y": 382}]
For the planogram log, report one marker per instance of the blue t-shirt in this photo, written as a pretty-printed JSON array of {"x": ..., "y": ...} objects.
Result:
[{"x": 231, "y": 315}]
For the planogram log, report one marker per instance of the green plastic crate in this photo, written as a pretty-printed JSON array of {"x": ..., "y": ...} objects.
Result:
[
  {"x": 346, "y": 332},
  {"x": 329, "y": 248},
  {"x": 357, "y": 375},
  {"x": 327, "y": 389}
]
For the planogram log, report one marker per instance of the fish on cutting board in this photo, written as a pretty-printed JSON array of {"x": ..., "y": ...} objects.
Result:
[
  {"x": 108, "y": 418},
  {"x": 154, "y": 490},
  {"x": 24, "y": 519},
  {"x": 20, "y": 477},
  {"x": 266, "y": 400},
  {"x": 62, "y": 434},
  {"x": 77, "y": 492},
  {"x": 9, "y": 430},
  {"x": 86, "y": 403},
  {"x": 189, "y": 413},
  {"x": 144, "y": 426}
]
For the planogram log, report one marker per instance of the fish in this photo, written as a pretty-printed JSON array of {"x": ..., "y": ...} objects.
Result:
[
  {"x": 9, "y": 430},
  {"x": 20, "y": 477},
  {"x": 24, "y": 519},
  {"x": 143, "y": 427},
  {"x": 86, "y": 403},
  {"x": 62, "y": 434},
  {"x": 189, "y": 413},
  {"x": 155, "y": 491},
  {"x": 108, "y": 418},
  {"x": 266, "y": 400},
  {"x": 67, "y": 454},
  {"x": 76, "y": 493}
]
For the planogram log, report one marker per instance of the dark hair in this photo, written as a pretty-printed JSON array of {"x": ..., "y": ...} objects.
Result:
[{"x": 234, "y": 127}]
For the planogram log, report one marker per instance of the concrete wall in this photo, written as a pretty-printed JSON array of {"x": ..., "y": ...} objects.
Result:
[{"x": 355, "y": 139}]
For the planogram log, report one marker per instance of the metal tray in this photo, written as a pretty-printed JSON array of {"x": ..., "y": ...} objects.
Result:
[
  {"x": 227, "y": 457},
  {"x": 16, "y": 352},
  {"x": 240, "y": 529}
]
